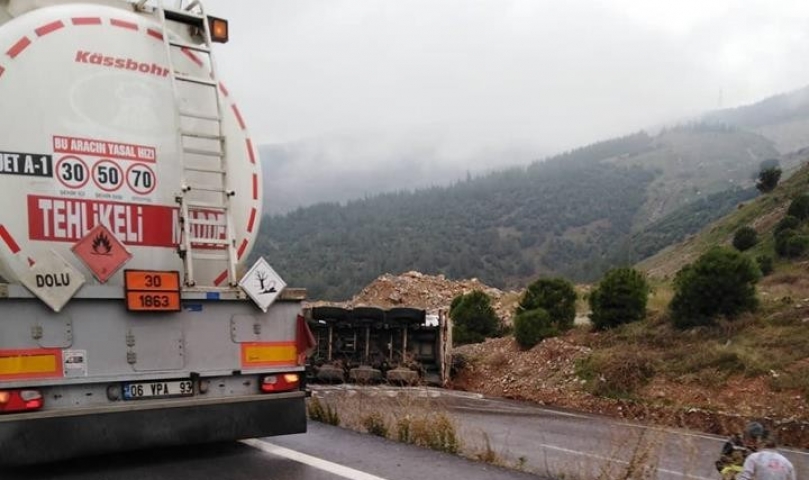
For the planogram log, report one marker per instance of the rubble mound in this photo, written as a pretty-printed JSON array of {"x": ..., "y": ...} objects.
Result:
[{"x": 432, "y": 293}]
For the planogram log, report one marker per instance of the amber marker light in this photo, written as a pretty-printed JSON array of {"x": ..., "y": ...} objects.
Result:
[{"x": 219, "y": 29}]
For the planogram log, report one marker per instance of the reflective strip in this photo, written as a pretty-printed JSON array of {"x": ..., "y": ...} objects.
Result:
[
  {"x": 259, "y": 354},
  {"x": 34, "y": 363}
]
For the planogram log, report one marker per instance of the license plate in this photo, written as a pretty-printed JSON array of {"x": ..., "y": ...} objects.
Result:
[{"x": 158, "y": 389}]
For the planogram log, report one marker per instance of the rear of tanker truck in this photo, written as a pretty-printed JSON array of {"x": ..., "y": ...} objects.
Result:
[{"x": 132, "y": 198}]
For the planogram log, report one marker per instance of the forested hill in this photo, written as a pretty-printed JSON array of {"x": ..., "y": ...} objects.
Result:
[{"x": 564, "y": 215}]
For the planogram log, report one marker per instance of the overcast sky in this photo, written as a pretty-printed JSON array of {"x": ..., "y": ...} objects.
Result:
[{"x": 480, "y": 75}]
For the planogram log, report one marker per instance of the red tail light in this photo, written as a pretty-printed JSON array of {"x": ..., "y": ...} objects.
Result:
[
  {"x": 280, "y": 382},
  {"x": 20, "y": 400}
]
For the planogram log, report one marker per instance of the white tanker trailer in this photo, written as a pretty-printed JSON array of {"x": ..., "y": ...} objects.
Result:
[{"x": 133, "y": 197}]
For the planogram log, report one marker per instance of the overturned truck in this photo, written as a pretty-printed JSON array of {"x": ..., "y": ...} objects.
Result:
[{"x": 403, "y": 346}]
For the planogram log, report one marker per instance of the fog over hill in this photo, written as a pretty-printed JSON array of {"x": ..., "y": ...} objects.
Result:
[
  {"x": 339, "y": 168},
  {"x": 342, "y": 168}
]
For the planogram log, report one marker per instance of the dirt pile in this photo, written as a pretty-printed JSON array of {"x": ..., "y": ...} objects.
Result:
[
  {"x": 429, "y": 292},
  {"x": 546, "y": 374}
]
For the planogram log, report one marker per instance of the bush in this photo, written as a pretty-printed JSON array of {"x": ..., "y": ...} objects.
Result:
[
  {"x": 768, "y": 179},
  {"x": 745, "y": 238},
  {"x": 765, "y": 264},
  {"x": 721, "y": 282},
  {"x": 788, "y": 222},
  {"x": 473, "y": 318},
  {"x": 533, "y": 326},
  {"x": 619, "y": 298},
  {"x": 616, "y": 374},
  {"x": 322, "y": 412},
  {"x": 799, "y": 207},
  {"x": 790, "y": 243},
  {"x": 554, "y": 295},
  {"x": 435, "y": 431},
  {"x": 375, "y": 424}
]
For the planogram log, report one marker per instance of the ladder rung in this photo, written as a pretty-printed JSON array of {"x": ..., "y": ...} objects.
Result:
[
  {"x": 222, "y": 255},
  {"x": 190, "y": 46},
  {"x": 206, "y": 136},
  {"x": 206, "y": 170},
  {"x": 201, "y": 151},
  {"x": 200, "y": 116},
  {"x": 207, "y": 188},
  {"x": 202, "y": 221},
  {"x": 212, "y": 205},
  {"x": 188, "y": 78},
  {"x": 184, "y": 17},
  {"x": 209, "y": 241}
]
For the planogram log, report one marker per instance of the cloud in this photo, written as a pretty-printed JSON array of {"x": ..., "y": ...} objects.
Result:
[{"x": 485, "y": 74}]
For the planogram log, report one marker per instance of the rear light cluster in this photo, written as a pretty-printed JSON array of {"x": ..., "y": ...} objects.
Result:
[
  {"x": 280, "y": 382},
  {"x": 20, "y": 400}
]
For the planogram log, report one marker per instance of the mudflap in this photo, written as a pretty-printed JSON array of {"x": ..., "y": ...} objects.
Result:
[{"x": 49, "y": 436}]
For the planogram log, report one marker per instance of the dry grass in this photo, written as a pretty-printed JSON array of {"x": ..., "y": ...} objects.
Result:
[
  {"x": 322, "y": 412},
  {"x": 630, "y": 456},
  {"x": 766, "y": 343},
  {"x": 409, "y": 418}
]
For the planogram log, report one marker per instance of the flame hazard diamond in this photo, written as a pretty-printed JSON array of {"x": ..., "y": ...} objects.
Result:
[{"x": 101, "y": 252}]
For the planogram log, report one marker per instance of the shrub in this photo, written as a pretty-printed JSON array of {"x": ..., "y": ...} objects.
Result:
[
  {"x": 765, "y": 264},
  {"x": 745, "y": 238},
  {"x": 554, "y": 295},
  {"x": 473, "y": 318},
  {"x": 375, "y": 424},
  {"x": 532, "y": 326},
  {"x": 768, "y": 179},
  {"x": 721, "y": 282},
  {"x": 619, "y": 298},
  {"x": 788, "y": 222},
  {"x": 791, "y": 243},
  {"x": 322, "y": 412},
  {"x": 799, "y": 207},
  {"x": 616, "y": 374},
  {"x": 435, "y": 431}
]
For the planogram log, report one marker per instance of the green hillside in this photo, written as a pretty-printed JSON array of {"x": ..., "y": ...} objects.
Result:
[
  {"x": 564, "y": 215},
  {"x": 762, "y": 214}
]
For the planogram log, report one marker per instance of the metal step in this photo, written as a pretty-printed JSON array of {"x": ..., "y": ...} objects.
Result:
[
  {"x": 199, "y": 116},
  {"x": 192, "y": 205},
  {"x": 187, "y": 18},
  {"x": 220, "y": 255},
  {"x": 206, "y": 170},
  {"x": 190, "y": 46},
  {"x": 191, "y": 79},
  {"x": 214, "y": 223},
  {"x": 202, "y": 151},
  {"x": 209, "y": 241},
  {"x": 206, "y": 136},
  {"x": 208, "y": 188}
]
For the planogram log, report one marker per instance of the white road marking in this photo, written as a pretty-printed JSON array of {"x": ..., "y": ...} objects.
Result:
[
  {"x": 609, "y": 459},
  {"x": 315, "y": 462}
]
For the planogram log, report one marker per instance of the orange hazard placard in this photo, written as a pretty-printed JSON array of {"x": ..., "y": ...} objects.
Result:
[
  {"x": 153, "y": 280},
  {"x": 152, "y": 290},
  {"x": 102, "y": 252},
  {"x": 144, "y": 301}
]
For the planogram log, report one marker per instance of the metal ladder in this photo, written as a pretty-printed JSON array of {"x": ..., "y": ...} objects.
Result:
[{"x": 202, "y": 154}]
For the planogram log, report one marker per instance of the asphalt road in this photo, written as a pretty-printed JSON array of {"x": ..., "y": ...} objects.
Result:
[
  {"x": 549, "y": 443},
  {"x": 324, "y": 453},
  {"x": 559, "y": 443}
]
